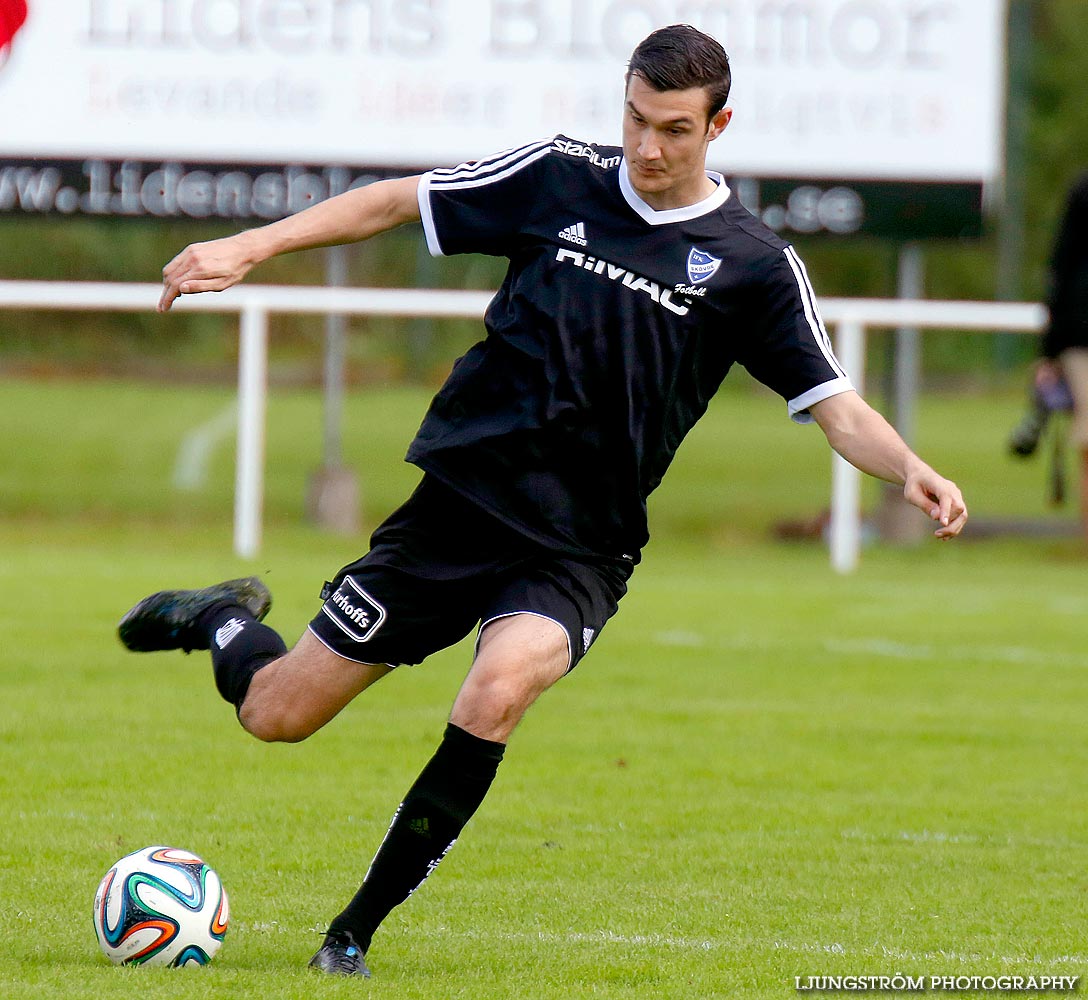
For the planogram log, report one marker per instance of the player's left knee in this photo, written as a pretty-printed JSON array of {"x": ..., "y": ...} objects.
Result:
[
  {"x": 273, "y": 723},
  {"x": 504, "y": 682}
]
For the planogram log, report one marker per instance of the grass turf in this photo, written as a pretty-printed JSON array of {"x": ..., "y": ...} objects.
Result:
[{"x": 763, "y": 771}]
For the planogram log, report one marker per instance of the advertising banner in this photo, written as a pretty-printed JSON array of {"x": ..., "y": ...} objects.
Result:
[{"x": 251, "y": 108}]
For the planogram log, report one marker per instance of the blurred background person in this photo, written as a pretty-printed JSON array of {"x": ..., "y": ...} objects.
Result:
[{"x": 1065, "y": 340}]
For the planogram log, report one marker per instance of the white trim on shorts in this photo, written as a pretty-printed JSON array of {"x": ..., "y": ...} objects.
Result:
[
  {"x": 350, "y": 659},
  {"x": 535, "y": 614}
]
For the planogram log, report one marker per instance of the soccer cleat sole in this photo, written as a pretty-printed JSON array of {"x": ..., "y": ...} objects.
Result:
[{"x": 165, "y": 620}]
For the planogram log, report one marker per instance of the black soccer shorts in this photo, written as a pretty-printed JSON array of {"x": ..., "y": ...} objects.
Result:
[{"x": 440, "y": 565}]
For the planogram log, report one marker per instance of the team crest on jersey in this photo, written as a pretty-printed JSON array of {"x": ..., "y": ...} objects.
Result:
[
  {"x": 355, "y": 612},
  {"x": 701, "y": 265}
]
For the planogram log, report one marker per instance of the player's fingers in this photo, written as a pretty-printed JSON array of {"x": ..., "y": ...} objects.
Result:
[
  {"x": 919, "y": 496},
  {"x": 178, "y": 265},
  {"x": 172, "y": 275},
  {"x": 953, "y": 520},
  {"x": 193, "y": 286},
  {"x": 166, "y": 299},
  {"x": 941, "y": 501},
  {"x": 182, "y": 283},
  {"x": 954, "y": 526},
  {"x": 944, "y": 509},
  {"x": 200, "y": 260},
  {"x": 192, "y": 272}
]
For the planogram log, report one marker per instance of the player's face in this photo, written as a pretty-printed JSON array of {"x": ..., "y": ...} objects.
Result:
[{"x": 665, "y": 136}]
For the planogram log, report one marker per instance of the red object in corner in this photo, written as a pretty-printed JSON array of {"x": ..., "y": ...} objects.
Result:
[{"x": 12, "y": 16}]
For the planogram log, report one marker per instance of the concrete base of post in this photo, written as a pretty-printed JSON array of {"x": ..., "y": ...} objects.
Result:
[
  {"x": 333, "y": 500},
  {"x": 896, "y": 521}
]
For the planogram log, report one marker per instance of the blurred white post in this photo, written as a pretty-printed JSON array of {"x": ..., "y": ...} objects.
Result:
[
  {"x": 252, "y": 404},
  {"x": 845, "y": 527}
]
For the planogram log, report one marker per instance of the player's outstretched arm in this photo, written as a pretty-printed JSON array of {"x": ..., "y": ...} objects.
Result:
[
  {"x": 348, "y": 218},
  {"x": 868, "y": 442}
]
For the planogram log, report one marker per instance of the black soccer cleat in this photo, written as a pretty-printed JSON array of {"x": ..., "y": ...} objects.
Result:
[
  {"x": 167, "y": 620},
  {"x": 340, "y": 956}
]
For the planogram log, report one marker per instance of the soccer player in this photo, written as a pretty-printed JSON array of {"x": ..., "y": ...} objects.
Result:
[{"x": 635, "y": 282}]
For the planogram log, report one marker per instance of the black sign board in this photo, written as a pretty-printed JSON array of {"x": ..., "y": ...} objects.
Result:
[{"x": 903, "y": 210}]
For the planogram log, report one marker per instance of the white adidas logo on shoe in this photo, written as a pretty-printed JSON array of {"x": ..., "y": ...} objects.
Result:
[
  {"x": 574, "y": 234},
  {"x": 225, "y": 633}
]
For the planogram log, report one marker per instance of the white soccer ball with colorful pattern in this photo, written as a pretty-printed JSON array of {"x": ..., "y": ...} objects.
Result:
[{"x": 160, "y": 906}]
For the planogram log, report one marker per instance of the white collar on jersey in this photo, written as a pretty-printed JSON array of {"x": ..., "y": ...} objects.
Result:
[{"x": 714, "y": 200}]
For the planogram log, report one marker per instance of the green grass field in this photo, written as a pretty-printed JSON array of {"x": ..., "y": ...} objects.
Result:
[{"x": 763, "y": 771}]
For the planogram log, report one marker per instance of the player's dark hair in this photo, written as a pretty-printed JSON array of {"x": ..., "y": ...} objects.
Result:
[{"x": 680, "y": 57}]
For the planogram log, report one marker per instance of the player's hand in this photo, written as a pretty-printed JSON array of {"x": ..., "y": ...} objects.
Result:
[
  {"x": 206, "y": 267},
  {"x": 1048, "y": 373},
  {"x": 939, "y": 498}
]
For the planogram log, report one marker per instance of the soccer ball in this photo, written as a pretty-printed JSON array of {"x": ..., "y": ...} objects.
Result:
[{"x": 160, "y": 906}]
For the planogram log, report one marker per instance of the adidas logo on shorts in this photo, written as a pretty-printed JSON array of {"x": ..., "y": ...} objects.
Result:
[{"x": 574, "y": 234}]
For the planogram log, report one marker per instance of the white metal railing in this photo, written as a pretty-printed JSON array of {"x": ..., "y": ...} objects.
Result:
[{"x": 850, "y": 318}]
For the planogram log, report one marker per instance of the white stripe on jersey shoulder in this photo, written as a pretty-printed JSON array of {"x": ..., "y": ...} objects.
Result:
[
  {"x": 474, "y": 173},
  {"x": 812, "y": 311},
  {"x": 659, "y": 218}
]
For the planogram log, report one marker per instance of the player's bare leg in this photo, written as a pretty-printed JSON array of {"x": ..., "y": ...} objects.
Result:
[
  {"x": 519, "y": 657},
  {"x": 1084, "y": 492},
  {"x": 280, "y": 695},
  {"x": 295, "y": 695}
]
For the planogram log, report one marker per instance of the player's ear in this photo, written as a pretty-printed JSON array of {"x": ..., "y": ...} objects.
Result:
[{"x": 718, "y": 124}]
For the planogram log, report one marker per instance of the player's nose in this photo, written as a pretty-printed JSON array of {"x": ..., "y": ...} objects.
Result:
[{"x": 649, "y": 148}]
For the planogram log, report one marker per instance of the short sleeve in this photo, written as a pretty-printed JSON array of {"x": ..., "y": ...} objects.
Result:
[
  {"x": 791, "y": 352},
  {"x": 479, "y": 206}
]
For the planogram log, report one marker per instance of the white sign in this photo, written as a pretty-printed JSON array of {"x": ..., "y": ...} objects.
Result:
[{"x": 896, "y": 89}]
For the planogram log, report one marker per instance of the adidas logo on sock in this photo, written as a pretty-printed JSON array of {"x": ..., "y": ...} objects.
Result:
[
  {"x": 574, "y": 234},
  {"x": 225, "y": 633}
]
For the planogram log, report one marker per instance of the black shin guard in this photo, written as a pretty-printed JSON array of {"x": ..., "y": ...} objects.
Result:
[
  {"x": 240, "y": 645},
  {"x": 426, "y": 825}
]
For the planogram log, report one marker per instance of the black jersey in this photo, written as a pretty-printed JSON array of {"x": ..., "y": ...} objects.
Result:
[
  {"x": 1068, "y": 296},
  {"x": 613, "y": 328}
]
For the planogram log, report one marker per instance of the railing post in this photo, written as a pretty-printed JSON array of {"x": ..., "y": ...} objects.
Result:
[
  {"x": 845, "y": 527},
  {"x": 252, "y": 406}
]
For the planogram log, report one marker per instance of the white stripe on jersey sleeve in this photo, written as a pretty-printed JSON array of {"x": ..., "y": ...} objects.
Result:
[
  {"x": 798, "y": 408},
  {"x": 423, "y": 196},
  {"x": 812, "y": 312},
  {"x": 474, "y": 173}
]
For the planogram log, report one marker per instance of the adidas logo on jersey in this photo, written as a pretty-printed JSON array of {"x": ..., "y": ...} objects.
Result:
[{"x": 574, "y": 234}]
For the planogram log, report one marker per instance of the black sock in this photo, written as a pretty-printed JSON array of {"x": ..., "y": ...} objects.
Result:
[
  {"x": 240, "y": 645},
  {"x": 426, "y": 825}
]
